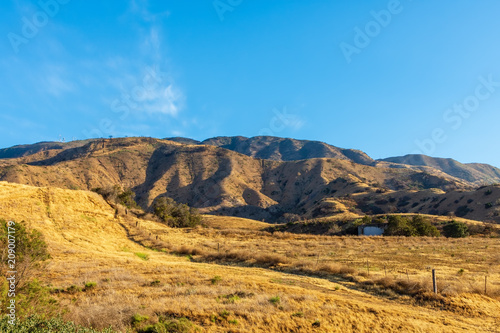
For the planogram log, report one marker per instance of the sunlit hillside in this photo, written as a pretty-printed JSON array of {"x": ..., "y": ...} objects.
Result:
[{"x": 230, "y": 276}]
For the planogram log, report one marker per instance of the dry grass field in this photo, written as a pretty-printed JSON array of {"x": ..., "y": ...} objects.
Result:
[{"x": 232, "y": 277}]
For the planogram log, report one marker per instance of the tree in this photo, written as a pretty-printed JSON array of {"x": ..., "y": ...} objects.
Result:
[
  {"x": 126, "y": 198},
  {"x": 116, "y": 194},
  {"x": 423, "y": 227},
  {"x": 175, "y": 214},
  {"x": 29, "y": 248},
  {"x": 456, "y": 230},
  {"x": 399, "y": 226}
]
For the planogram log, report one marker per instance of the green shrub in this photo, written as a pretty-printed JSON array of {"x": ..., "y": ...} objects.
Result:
[
  {"x": 275, "y": 300},
  {"x": 155, "y": 283},
  {"x": 404, "y": 226},
  {"x": 137, "y": 319},
  {"x": 30, "y": 254},
  {"x": 399, "y": 226},
  {"x": 216, "y": 279},
  {"x": 175, "y": 214},
  {"x": 73, "y": 289},
  {"x": 423, "y": 227},
  {"x": 181, "y": 325},
  {"x": 118, "y": 195},
  {"x": 224, "y": 314},
  {"x": 456, "y": 230},
  {"x": 462, "y": 211},
  {"x": 143, "y": 256},
  {"x": 36, "y": 324},
  {"x": 90, "y": 285},
  {"x": 126, "y": 198}
]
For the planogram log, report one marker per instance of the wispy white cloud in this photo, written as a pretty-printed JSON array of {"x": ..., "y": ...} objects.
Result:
[
  {"x": 56, "y": 85},
  {"x": 140, "y": 8},
  {"x": 151, "y": 88}
]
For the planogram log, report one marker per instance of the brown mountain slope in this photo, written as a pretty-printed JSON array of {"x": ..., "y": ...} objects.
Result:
[
  {"x": 30, "y": 149},
  {"x": 472, "y": 172},
  {"x": 221, "y": 181},
  {"x": 282, "y": 149}
]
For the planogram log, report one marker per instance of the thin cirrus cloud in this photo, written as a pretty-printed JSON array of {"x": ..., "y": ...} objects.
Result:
[{"x": 147, "y": 84}]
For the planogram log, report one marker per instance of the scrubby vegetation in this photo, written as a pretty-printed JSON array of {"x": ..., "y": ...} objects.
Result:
[
  {"x": 176, "y": 214},
  {"x": 29, "y": 256},
  {"x": 37, "y": 324},
  {"x": 118, "y": 195},
  {"x": 414, "y": 226},
  {"x": 456, "y": 230},
  {"x": 240, "y": 278}
]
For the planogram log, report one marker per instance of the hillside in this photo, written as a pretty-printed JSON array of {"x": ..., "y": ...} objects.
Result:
[
  {"x": 472, "y": 172},
  {"x": 224, "y": 182},
  {"x": 30, "y": 149},
  {"x": 285, "y": 149},
  {"x": 282, "y": 149},
  {"x": 89, "y": 242}
]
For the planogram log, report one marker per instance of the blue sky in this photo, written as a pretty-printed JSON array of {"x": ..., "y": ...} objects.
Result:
[{"x": 386, "y": 77}]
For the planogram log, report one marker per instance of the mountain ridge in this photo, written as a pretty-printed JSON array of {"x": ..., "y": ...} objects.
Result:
[{"x": 220, "y": 181}]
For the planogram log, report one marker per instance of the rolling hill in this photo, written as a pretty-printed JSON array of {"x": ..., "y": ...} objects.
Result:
[
  {"x": 224, "y": 182},
  {"x": 120, "y": 256}
]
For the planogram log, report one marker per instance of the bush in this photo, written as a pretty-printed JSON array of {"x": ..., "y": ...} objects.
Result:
[
  {"x": 275, "y": 300},
  {"x": 462, "y": 211},
  {"x": 36, "y": 324},
  {"x": 404, "y": 226},
  {"x": 90, "y": 285},
  {"x": 116, "y": 194},
  {"x": 30, "y": 254},
  {"x": 423, "y": 227},
  {"x": 399, "y": 226},
  {"x": 181, "y": 325},
  {"x": 143, "y": 256},
  {"x": 126, "y": 198},
  {"x": 456, "y": 230},
  {"x": 216, "y": 279},
  {"x": 175, "y": 214},
  {"x": 30, "y": 251},
  {"x": 137, "y": 319}
]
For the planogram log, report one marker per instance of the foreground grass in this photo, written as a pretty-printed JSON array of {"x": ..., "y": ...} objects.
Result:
[
  {"x": 35, "y": 324},
  {"x": 221, "y": 280},
  {"x": 402, "y": 264}
]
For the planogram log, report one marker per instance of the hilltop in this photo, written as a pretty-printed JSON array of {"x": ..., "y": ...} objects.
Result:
[{"x": 476, "y": 173}]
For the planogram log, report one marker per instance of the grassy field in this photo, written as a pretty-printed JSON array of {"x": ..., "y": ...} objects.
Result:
[{"x": 232, "y": 277}]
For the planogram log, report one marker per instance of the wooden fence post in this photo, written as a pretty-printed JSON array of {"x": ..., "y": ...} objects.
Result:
[{"x": 434, "y": 284}]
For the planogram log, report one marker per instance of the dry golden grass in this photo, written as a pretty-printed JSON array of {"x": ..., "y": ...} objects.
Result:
[{"x": 292, "y": 291}]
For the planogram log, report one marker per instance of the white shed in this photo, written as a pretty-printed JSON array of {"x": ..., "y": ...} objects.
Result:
[{"x": 371, "y": 229}]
